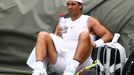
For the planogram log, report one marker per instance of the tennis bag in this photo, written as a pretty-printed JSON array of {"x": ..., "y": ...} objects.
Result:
[
  {"x": 128, "y": 68},
  {"x": 111, "y": 58}
]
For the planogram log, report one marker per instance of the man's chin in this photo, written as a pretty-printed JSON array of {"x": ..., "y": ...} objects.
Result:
[{"x": 71, "y": 14}]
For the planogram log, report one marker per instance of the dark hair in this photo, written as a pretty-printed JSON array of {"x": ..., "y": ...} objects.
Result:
[{"x": 81, "y": 5}]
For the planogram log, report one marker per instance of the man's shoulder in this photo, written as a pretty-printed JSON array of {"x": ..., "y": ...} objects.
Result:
[
  {"x": 85, "y": 15},
  {"x": 90, "y": 18}
]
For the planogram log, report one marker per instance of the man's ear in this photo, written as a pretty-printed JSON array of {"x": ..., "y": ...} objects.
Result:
[{"x": 81, "y": 7}]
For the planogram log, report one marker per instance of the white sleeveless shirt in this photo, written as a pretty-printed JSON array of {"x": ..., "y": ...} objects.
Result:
[
  {"x": 70, "y": 39},
  {"x": 75, "y": 27}
]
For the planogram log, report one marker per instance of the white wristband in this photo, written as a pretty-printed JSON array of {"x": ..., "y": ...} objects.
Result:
[{"x": 99, "y": 42}]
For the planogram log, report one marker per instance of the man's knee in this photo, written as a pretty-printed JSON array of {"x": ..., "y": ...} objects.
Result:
[{"x": 43, "y": 34}]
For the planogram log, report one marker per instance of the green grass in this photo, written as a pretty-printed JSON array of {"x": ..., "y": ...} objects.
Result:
[
  {"x": 14, "y": 74},
  {"x": 9, "y": 74}
]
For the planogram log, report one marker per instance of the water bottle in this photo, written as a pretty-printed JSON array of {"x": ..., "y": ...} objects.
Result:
[{"x": 62, "y": 22}]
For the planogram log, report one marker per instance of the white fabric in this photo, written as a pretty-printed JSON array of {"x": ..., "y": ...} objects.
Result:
[
  {"x": 76, "y": 0},
  {"x": 59, "y": 66},
  {"x": 120, "y": 48},
  {"x": 106, "y": 67},
  {"x": 101, "y": 66},
  {"x": 116, "y": 37},
  {"x": 115, "y": 67},
  {"x": 99, "y": 43},
  {"x": 40, "y": 65},
  {"x": 115, "y": 44},
  {"x": 66, "y": 46},
  {"x": 39, "y": 72},
  {"x": 93, "y": 37},
  {"x": 75, "y": 28},
  {"x": 122, "y": 52},
  {"x": 74, "y": 64},
  {"x": 40, "y": 68},
  {"x": 69, "y": 71},
  {"x": 31, "y": 62}
]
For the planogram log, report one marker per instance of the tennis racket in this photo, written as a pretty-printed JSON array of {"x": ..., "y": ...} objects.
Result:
[{"x": 89, "y": 70}]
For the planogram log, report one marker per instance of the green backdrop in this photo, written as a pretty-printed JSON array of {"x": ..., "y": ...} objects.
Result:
[{"x": 21, "y": 20}]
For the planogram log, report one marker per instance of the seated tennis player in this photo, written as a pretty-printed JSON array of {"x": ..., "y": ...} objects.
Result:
[{"x": 68, "y": 52}]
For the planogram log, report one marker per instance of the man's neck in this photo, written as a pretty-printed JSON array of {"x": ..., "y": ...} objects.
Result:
[{"x": 75, "y": 17}]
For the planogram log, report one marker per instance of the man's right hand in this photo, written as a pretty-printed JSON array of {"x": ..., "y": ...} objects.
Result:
[{"x": 58, "y": 31}]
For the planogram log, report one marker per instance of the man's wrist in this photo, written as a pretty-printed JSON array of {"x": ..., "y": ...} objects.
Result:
[{"x": 99, "y": 42}]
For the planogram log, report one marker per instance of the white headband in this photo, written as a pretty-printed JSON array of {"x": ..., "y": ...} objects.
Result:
[{"x": 80, "y": 1}]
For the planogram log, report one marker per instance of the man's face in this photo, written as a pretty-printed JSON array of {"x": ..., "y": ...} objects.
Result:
[{"x": 73, "y": 7}]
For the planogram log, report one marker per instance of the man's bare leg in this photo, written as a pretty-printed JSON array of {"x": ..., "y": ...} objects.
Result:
[
  {"x": 45, "y": 49},
  {"x": 83, "y": 51}
]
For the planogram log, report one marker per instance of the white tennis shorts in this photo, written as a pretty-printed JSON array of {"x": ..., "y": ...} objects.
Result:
[{"x": 65, "y": 50}]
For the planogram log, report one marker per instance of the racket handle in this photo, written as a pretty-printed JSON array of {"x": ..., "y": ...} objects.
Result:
[{"x": 116, "y": 37}]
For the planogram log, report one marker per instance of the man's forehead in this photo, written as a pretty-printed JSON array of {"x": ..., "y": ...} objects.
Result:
[{"x": 70, "y": 0}]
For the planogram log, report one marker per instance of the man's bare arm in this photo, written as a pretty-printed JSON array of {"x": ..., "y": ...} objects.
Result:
[{"x": 100, "y": 30}]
